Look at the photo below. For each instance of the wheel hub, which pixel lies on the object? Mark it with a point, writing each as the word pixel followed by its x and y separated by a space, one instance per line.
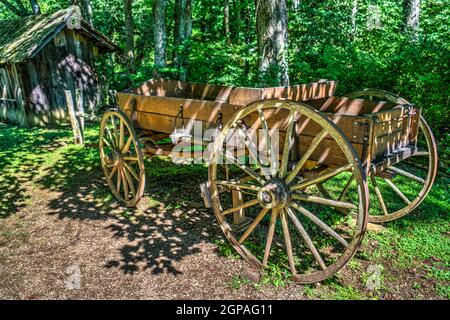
pixel 115 157
pixel 274 195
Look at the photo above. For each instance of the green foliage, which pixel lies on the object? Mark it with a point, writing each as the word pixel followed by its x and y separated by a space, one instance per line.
pixel 322 45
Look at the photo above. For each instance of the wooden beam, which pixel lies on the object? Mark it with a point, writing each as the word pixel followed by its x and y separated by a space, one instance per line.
pixel 77 134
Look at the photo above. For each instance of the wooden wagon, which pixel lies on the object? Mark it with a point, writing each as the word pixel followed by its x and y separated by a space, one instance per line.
pixel 294 187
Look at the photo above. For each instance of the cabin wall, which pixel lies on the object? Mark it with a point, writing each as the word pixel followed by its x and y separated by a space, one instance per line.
pixel 12 101
pixel 65 63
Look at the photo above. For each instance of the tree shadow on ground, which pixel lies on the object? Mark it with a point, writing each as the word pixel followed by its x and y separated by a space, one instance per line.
pixel 167 225
pixel 22 154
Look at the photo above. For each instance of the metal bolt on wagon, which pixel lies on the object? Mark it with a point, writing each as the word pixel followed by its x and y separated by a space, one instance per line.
pixel 295 186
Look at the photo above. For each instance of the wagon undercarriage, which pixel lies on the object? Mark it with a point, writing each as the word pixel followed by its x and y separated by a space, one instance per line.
pixel 291 170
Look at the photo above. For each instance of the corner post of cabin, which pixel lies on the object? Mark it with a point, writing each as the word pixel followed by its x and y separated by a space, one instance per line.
pixel 77 134
pixel 80 109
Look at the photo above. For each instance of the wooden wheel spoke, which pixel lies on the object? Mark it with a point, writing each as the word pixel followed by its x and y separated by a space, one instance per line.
pixel 346 187
pixel 119 181
pixel 116 133
pixel 272 225
pixel 131 158
pixel 249 143
pixel 106 142
pixel 125 185
pixel 127 145
pixel 305 236
pixel 271 154
pixel 241 206
pixel 287 241
pixel 113 171
pixel 287 146
pixel 397 191
pixel 111 137
pixel 130 181
pixel 237 186
pixel 121 134
pixel 131 170
pixel 253 225
pixel 324 201
pixel 246 169
pixel 379 195
pixel 320 223
pixel 407 174
pixel 306 156
pixel 422 153
pixel 321 177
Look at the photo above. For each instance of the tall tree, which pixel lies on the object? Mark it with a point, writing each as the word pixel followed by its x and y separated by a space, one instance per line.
pixel 238 10
pixel 159 31
pixel 354 13
pixel 412 21
pixel 271 27
pixel 182 34
pixel 226 19
pixel 129 40
pixel 86 9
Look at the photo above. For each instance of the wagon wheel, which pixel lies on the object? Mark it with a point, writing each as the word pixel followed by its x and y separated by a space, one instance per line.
pixel 282 199
pixel 121 157
pixel 408 181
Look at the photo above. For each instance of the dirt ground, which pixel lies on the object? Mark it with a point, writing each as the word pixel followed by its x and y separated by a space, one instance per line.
pixel 158 255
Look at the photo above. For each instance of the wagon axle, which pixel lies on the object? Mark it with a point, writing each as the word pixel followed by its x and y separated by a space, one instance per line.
pixel 274 195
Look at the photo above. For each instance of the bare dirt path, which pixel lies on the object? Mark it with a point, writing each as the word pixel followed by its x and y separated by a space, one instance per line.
pixel 158 255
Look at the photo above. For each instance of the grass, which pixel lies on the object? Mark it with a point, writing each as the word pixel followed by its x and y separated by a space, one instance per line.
pixel 45 159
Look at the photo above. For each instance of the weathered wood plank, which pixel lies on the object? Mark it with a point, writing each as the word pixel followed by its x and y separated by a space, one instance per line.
pixel 207 111
pixel 77 133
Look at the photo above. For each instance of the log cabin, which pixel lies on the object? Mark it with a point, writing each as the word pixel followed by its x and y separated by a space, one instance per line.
pixel 43 55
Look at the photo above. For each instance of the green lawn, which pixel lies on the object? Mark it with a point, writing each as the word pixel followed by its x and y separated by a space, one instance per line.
pixel 415 249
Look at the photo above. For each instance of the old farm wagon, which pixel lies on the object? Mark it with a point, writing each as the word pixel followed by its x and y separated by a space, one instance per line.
pixel 294 186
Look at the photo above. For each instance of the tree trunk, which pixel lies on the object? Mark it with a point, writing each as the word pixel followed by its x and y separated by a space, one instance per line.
pixel 86 10
pixel 129 41
pixel 226 19
pixel 238 10
pixel 35 6
pixel 354 13
pixel 182 34
pixel 177 17
pixel 159 30
pixel 271 29
pixel 412 22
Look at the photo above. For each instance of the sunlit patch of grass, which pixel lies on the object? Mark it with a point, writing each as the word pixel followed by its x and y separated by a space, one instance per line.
pixel 237 282
pixel 443 290
pixel 337 292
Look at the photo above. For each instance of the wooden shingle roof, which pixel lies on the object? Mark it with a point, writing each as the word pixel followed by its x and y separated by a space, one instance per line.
pixel 22 38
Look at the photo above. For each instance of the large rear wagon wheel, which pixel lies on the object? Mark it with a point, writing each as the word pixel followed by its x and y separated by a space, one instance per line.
pixel 288 222
pixel 121 157
pixel 409 181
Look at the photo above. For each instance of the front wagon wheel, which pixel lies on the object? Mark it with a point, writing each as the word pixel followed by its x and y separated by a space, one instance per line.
pixel 287 223
pixel 121 157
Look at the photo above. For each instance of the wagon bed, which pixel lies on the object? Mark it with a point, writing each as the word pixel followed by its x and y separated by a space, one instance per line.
pixel 381 132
